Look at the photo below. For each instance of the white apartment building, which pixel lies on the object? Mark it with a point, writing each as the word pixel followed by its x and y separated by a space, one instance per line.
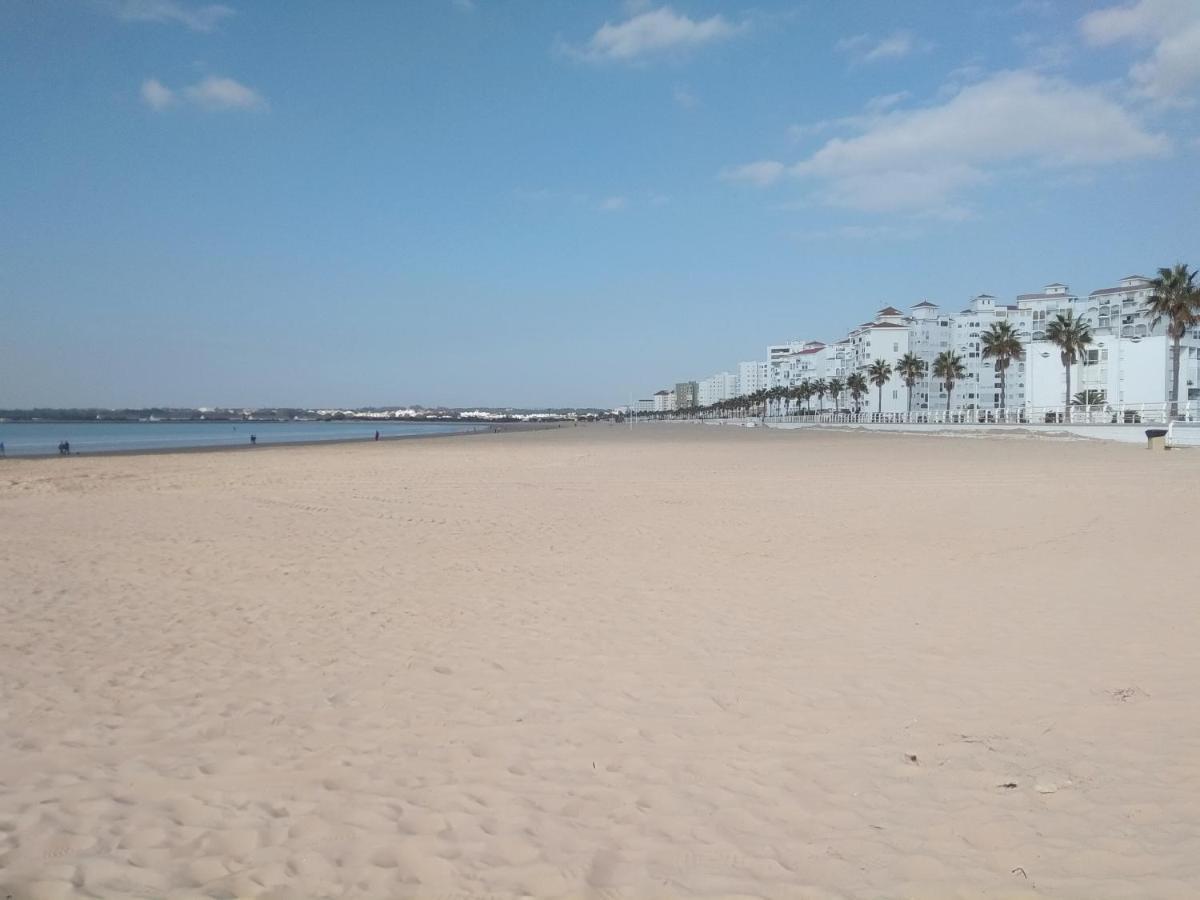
pixel 886 338
pixel 722 386
pixel 644 406
pixel 752 376
pixel 1129 359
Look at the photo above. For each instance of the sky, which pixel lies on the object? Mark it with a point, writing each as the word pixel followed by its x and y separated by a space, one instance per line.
pixel 538 203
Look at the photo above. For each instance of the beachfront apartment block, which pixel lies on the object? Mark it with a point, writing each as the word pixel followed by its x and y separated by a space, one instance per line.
pixel 687 393
pixel 752 376
pixel 1129 359
pixel 718 387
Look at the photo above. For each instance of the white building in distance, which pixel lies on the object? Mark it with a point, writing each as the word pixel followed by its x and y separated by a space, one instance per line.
pixel 1129 359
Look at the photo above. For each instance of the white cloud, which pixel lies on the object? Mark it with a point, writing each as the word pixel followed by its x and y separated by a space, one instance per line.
pixel 197 18
pixel 212 93
pixel 886 101
pixel 613 204
pixel 654 31
pixel 685 98
pixel 872 110
pixel 922 160
pixel 156 95
pixel 464 5
pixel 864 48
pixel 1170 27
pixel 861 233
pixel 761 173
pixel 217 93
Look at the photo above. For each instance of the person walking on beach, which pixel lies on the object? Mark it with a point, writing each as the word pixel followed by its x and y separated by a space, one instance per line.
pixel 2 453
pixel 376 435
pixel 254 438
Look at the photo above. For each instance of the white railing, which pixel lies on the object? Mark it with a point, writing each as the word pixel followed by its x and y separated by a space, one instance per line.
pixel 1097 414
pixel 1183 433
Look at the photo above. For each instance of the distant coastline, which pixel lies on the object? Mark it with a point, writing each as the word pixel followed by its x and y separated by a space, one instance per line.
pixel 475 429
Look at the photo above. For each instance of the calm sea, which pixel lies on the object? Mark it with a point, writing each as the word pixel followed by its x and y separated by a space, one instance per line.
pixel 36 438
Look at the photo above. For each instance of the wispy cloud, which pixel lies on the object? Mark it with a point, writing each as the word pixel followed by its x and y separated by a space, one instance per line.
pixel 651 33
pixel 872 110
pixel 861 233
pixel 213 93
pixel 1170 27
pixel 463 5
pixel 761 173
pixel 923 160
pixel 156 95
pixel 684 98
pixel 615 203
pixel 197 18
pixel 865 48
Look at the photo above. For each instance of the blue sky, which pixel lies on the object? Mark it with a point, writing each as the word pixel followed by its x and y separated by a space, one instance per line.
pixel 543 203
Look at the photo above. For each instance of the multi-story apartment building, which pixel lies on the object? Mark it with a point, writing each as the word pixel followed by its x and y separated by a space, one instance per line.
pixel 715 388
pixel 1130 356
pixel 664 401
pixel 752 376
pixel 687 394
pixel 1129 359
pixel 886 338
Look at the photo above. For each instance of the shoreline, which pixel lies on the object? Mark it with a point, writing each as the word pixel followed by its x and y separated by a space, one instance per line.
pixel 247 447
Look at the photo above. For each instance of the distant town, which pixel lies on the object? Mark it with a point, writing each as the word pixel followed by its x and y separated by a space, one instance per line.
pixel 295 414
pixel 889 364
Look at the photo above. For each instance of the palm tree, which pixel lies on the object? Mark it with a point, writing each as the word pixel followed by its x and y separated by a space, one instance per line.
pixel 1071 336
pixel 820 387
pixel 1090 397
pixel 836 386
pixel 949 368
pixel 911 368
pixel 1000 342
pixel 1176 299
pixel 804 393
pixel 857 385
pixel 878 374
pixel 793 394
pixel 760 400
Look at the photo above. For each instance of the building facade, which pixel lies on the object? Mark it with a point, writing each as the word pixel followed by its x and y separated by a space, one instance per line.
pixel 1128 362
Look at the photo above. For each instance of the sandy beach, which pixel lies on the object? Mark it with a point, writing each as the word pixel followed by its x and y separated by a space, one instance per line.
pixel 594 662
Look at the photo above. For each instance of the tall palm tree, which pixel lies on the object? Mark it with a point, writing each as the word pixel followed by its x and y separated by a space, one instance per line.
pixel 1000 342
pixel 804 392
pixel 948 367
pixel 911 368
pixel 793 394
pixel 1176 299
pixel 878 374
pixel 857 385
pixel 836 386
pixel 820 388
pixel 1071 336
pixel 760 400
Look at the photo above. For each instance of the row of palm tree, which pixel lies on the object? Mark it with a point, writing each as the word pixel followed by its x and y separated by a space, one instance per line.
pixel 1175 298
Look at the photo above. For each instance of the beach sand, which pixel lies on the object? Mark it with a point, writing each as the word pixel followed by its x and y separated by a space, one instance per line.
pixel 590 662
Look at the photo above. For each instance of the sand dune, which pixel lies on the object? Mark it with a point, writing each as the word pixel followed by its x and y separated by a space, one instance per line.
pixel 588 662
